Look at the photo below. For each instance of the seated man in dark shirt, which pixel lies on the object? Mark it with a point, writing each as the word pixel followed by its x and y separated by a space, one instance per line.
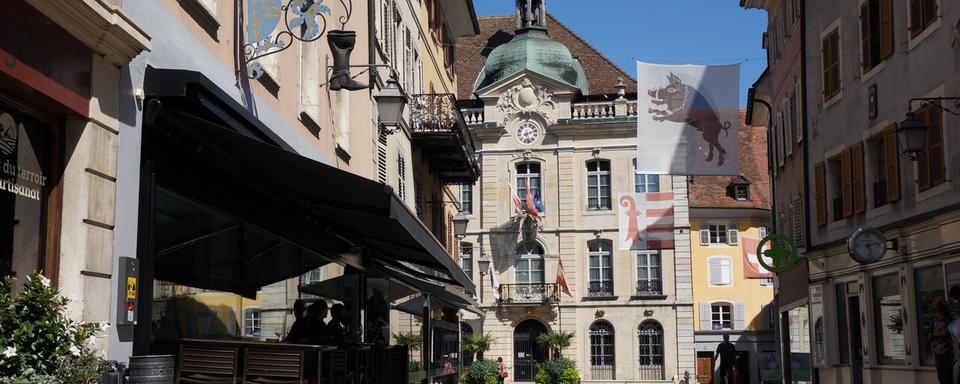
pixel 308 329
pixel 337 331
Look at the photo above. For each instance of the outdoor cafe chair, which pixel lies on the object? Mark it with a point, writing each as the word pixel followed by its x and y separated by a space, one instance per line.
pixel 206 364
pixel 273 365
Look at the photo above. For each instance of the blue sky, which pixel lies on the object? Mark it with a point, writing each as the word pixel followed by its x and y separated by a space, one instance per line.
pixel 662 31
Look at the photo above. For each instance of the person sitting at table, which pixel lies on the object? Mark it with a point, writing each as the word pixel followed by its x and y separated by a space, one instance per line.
pixel 316 328
pixel 298 329
pixel 337 331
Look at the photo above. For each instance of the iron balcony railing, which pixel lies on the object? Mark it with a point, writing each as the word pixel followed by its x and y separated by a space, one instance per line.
pixel 649 288
pixel 437 114
pixel 535 293
pixel 600 289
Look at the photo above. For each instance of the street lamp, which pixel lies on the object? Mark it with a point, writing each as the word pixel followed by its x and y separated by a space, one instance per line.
pixel 460 222
pixel 484 264
pixel 912 134
pixel 390 102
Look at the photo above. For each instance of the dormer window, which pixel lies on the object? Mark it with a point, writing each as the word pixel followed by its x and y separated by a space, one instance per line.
pixel 739 189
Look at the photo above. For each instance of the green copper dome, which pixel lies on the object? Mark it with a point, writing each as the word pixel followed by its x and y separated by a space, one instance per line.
pixel 533 51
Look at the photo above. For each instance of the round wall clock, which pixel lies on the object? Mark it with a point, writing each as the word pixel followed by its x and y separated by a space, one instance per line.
pixel 867 245
pixel 528 132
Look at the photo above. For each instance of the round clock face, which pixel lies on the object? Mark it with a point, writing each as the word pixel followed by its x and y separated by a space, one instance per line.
pixel 867 245
pixel 528 133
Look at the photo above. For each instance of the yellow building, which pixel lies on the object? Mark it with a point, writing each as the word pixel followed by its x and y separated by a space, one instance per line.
pixel 732 292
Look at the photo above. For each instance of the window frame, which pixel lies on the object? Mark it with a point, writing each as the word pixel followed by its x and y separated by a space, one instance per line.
pixel 603 346
pixel 714 306
pixel 253 322
pixel 648 180
pixel 649 268
pixel 927 24
pixel 465 250
pixel 833 34
pixel 526 176
pixel 596 176
pixel 650 334
pixel 602 251
pixel 466 198
pixel 528 259
pixel 879 321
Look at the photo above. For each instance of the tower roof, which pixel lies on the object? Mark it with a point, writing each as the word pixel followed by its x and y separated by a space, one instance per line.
pixel 601 75
pixel 531 50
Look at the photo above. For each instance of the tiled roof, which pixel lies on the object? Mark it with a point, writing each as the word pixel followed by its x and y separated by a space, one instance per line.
pixel 471 54
pixel 711 191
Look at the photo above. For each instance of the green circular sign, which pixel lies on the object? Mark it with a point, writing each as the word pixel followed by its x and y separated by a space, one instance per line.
pixel 783 258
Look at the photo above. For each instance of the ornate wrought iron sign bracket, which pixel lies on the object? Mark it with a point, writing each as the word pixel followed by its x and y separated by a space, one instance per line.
pixel 272 27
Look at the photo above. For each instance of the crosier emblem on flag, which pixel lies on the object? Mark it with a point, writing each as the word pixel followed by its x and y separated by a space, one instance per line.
pixel 646 221
pixel 689 122
pixel 562 279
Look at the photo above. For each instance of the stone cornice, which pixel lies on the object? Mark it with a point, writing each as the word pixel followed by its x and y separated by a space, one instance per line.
pixel 101 26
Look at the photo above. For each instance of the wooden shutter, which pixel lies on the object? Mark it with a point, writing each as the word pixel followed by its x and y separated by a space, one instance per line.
pixel 865 57
pixel 859 190
pixel 846 169
pixel 820 184
pixel 726 271
pixel 716 272
pixel 892 162
pixel 916 17
pixel 704 234
pixel 732 232
pixel 739 317
pixel 706 317
pixel 937 160
pixel 886 29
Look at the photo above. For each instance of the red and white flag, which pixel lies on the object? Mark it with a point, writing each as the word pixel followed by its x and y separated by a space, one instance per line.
pixel 517 204
pixel 751 266
pixel 646 221
pixel 562 279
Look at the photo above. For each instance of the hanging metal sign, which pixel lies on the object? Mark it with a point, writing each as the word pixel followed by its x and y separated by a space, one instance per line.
pixel 272 27
pixel 782 252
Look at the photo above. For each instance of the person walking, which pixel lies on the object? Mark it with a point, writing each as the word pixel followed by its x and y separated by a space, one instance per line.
pixel 501 371
pixel 727 353
pixel 942 341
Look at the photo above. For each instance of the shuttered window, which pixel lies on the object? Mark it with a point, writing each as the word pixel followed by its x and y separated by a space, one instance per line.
pixel 859 188
pixel 704 234
pixel 732 235
pixel 720 271
pixel 931 166
pixel 798 107
pixel 830 50
pixel 787 119
pixel 891 163
pixel 923 13
pixel 876 32
pixel 382 157
pixel 820 184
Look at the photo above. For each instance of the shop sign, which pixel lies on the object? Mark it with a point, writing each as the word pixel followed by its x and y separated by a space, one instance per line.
pixel 21 181
pixel 39 53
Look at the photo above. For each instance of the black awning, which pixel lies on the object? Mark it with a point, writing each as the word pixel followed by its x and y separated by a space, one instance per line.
pixel 337 206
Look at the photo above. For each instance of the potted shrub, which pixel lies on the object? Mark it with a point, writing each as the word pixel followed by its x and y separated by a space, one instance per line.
pixel 556 342
pixel 557 371
pixel 480 372
pixel 39 343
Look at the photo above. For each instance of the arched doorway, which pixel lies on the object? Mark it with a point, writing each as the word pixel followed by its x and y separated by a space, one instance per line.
pixel 526 352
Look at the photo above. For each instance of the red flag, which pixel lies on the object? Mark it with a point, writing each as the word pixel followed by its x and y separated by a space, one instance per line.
pixel 517 204
pixel 562 279
pixel 531 205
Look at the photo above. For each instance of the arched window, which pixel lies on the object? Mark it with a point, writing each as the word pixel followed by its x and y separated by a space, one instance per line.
pixel 598 185
pixel 529 264
pixel 602 364
pixel 650 353
pixel 466 331
pixel 600 256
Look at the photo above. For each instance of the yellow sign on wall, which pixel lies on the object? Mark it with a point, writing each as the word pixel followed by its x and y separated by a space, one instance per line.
pixel 131 287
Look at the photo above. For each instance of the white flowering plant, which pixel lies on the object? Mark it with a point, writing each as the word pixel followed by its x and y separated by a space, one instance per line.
pixel 39 342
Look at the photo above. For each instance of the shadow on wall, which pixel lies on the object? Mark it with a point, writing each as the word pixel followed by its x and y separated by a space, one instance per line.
pixel 184 317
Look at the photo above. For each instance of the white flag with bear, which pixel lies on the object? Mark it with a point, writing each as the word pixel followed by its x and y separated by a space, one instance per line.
pixel 688 119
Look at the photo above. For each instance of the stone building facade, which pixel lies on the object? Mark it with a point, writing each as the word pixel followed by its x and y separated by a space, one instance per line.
pixel 564 126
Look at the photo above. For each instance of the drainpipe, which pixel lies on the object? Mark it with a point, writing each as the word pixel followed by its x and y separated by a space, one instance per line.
pixel 372 40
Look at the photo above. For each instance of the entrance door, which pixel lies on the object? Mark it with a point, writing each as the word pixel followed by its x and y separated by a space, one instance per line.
pixel 527 353
pixel 741 368
pixel 705 368
pixel 856 342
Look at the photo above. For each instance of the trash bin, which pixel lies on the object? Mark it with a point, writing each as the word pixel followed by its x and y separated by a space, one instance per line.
pixel 155 369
